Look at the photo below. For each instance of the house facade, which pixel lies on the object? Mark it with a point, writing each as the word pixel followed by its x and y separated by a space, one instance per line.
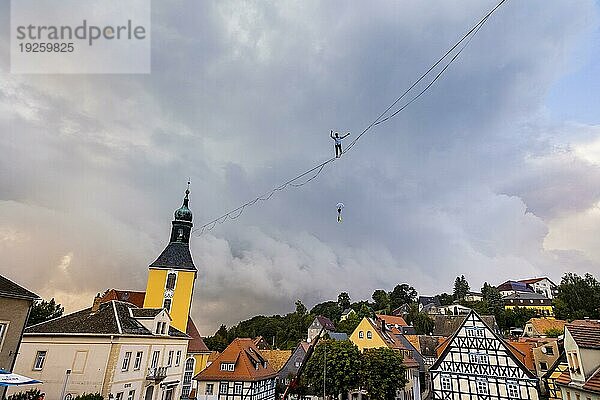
pixel 290 368
pixel 582 348
pixel 476 363
pixel 529 300
pixel 15 305
pixel 116 349
pixel 542 286
pixel 539 327
pixel 239 372
pixel 320 325
pixel 370 334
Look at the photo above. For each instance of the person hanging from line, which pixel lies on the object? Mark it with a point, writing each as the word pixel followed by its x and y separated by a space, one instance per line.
pixel 338 142
pixel 339 206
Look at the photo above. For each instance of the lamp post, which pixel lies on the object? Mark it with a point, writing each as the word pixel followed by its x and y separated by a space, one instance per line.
pixel 64 389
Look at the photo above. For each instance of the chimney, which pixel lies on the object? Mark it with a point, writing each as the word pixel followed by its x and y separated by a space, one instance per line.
pixel 97 301
pixel 383 327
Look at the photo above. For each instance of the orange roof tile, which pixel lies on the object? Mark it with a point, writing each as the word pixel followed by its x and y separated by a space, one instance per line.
pixel 248 364
pixel 414 340
pixel 392 319
pixel 541 325
pixel 277 358
pixel 129 296
pixel 523 351
pixel 196 345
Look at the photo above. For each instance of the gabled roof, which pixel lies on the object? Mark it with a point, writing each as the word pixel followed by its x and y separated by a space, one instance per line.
pixel 590 385
pixel 176 256
pixel 586 333
pixel 325 322
pixel 392 319
pixel 196 344
pixel 446 325
pixel 10 289
pixel 246 357
pixel 473 316
pixel 535 280
pixel 130 296
pixel 514 285
pixel 392 340
pixel 424 300
pixel 276 358
pixel 111 318
pixel 541 325
pixel 146 313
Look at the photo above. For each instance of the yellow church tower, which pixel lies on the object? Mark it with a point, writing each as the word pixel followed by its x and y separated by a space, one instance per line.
pixel 171 277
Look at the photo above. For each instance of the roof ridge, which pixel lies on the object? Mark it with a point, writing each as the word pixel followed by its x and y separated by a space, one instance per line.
pixel 114 307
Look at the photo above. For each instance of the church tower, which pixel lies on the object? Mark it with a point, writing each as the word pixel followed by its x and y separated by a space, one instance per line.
pixel 171 277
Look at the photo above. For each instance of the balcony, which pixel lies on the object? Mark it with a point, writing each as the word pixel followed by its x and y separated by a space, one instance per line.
pixel 156 374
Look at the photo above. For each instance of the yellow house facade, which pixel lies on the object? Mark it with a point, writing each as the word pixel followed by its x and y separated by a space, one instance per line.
pixel 529 300
pixel 365 336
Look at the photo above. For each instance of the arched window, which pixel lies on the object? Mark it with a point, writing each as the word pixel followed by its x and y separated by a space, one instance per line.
pixel 369 335
pixel 167 305
pixel 189 364
pixel 171 277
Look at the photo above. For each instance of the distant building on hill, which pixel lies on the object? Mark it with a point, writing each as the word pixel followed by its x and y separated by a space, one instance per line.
pixel 542 286
pixel 347 313
pixel 290 368
pixel 512 287
pixel 529 300
pixel 320 325
pixel 15 305
pixel 538 327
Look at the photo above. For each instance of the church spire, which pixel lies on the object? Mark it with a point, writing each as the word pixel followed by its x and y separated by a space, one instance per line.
pixel 182 224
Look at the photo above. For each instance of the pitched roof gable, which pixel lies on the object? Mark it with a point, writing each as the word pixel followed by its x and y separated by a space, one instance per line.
pixel 10 289
pixel 196 344
pixel 474 320
pixel 177 256
pixel 541 325
pixel 392 319
pixel 245 355
pixel 326 322
pixel 586 333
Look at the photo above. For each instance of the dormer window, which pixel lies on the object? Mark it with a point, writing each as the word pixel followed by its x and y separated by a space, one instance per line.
pixel 227 366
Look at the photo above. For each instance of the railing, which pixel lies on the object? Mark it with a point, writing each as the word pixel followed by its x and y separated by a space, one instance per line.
pixel 157 373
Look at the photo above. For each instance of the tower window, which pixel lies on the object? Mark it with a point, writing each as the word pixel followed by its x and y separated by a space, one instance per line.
pixel 180 234
pixel 171 277
pixel 167 305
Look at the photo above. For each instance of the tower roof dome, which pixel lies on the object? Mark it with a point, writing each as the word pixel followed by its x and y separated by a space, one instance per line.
pixel 183 213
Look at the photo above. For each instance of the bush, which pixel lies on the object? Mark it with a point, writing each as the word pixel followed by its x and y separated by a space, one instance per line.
pixel 31 394
pixel 89 396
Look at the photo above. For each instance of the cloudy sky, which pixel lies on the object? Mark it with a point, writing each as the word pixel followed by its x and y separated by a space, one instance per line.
pixel 494 173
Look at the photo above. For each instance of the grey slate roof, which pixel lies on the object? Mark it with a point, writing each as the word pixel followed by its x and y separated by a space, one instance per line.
pixel 338 336
pixel 177 256
pixel 111 318
pixel 145 312
pixel 446 325
pixel 10 289
pixel 424 300
pixel 525 296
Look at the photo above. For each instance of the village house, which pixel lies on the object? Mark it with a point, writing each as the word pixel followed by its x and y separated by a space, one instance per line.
pixel 539 327
pixel 290 369
pixel 475 362
pixel 542 286
pixel 513 287
pixel 239 372
pixel 15 305
pixel 529 300
pixel 581 381
pixel 321 325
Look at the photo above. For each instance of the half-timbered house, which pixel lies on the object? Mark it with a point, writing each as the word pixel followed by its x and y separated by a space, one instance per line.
pixel 476 363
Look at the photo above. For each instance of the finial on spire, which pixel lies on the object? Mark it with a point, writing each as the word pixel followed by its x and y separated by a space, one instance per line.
pixel 187 191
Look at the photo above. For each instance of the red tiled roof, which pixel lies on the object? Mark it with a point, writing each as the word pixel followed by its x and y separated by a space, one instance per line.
pixel 129 296
pixel 586 333
pixel 196 344
pixel 593 384
pixel 246 356
pixel 523 351
pixel 564 378
pixel 392 320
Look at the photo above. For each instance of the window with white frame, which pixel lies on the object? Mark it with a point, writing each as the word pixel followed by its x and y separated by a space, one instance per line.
pixel 482 387
pixel 223 387
pixel 470 332
pixel 155 357
pixel 131 395
pixel 227 366
pixel 237 389
pixel 479 332
pixel 126 361
pixel 210 387
pixel 446 382
pixel 361 334
pixel 138 360
pixel 189 364
pixel 40 357
pixel 369 335
pixel 178 358
pixel 119 396
pixel 170 358
pixel 512 388
pixel 3 329
pixel 171 280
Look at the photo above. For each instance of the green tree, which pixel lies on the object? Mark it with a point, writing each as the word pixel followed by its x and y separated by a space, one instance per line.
pixel 349 324
pixel 382 373
pixel 515 317
pixel 492 298
pixel 461 288
pixel 300 308
pixel 343 301
pixel 339 362
pixel 89 396
pixel 445 299
pixel 553 332
pixel 381 299
pixel 578 297
pixel 365 311
pixel 420 320
pixel 402 294
pixel 329 309
pixel 219 341
pixel 31 394
pixel 43 310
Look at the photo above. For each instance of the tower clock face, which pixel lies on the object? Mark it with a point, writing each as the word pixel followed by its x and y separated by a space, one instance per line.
pixel 168 293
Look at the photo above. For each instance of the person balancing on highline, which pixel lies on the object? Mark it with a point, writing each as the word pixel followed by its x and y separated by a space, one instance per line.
pixel 338 142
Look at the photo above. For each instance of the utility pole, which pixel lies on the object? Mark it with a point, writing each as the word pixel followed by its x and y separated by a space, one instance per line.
pixel 62 395
pixel 324 368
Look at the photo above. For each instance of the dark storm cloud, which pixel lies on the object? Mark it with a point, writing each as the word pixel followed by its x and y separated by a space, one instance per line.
pixel 469 180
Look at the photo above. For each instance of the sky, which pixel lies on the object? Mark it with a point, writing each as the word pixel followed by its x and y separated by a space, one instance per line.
pixel 494 173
